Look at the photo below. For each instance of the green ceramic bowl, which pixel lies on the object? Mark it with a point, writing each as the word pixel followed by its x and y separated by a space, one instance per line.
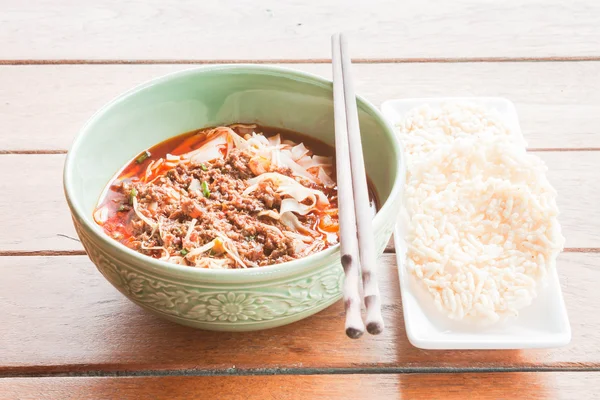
pixel 227 300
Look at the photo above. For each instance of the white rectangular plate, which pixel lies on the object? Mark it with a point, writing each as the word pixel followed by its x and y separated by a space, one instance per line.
pixel 544 324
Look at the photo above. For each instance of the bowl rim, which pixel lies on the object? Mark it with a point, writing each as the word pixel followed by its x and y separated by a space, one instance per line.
pixel 277 270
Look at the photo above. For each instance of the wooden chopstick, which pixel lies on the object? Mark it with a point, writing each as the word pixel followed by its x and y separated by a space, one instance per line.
pixel 346 209
pixel 364 218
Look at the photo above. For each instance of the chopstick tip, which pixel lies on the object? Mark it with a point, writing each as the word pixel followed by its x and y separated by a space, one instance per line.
pixel 353 333
pixel 374 328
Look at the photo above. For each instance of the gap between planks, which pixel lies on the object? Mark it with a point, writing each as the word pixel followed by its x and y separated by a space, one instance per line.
pixel 287 371
pixel 58 253
pixel 59 151
pixel 304 61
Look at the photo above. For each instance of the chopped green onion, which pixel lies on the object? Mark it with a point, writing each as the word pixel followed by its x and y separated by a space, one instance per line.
pixel 203 167
pixel 251 237
pixel 132 195
pixel 184 252
pixel 142 157
pixel 205 190
pixel 121 207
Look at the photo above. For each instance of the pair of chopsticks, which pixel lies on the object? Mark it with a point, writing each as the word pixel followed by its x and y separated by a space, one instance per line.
pixel 356 231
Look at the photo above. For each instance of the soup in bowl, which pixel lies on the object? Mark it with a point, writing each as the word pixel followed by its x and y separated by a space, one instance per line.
pixel 208 196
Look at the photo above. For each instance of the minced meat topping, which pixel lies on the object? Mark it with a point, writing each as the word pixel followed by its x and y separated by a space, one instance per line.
pixel 259 202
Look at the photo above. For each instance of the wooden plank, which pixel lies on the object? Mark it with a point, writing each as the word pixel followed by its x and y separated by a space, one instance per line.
pixel 263 29
pixel 35 190
pixel 32 187
pixel 557 102
pixel 529 385
pixel 60 315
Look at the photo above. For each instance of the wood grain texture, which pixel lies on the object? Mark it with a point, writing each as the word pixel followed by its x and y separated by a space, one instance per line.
pixel 264 29
pixel 32 184
pixel 43 107
pixel 60 315
pixel 529 385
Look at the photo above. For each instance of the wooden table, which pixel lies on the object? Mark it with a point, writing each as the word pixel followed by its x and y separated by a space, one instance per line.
pixel 65 333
